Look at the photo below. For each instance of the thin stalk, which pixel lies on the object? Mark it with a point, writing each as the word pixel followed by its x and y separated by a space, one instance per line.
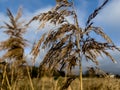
pixel 56 85
pixel 31 83
pixel 80 62
pixel 5 77
pixel 12 73
pixel 14 86
pixel 78 37
pixel 8 82
pixel 80 70
pixel 4 74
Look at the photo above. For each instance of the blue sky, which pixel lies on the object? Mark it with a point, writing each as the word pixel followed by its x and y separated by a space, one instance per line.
pixel 108 18
pixel 30 5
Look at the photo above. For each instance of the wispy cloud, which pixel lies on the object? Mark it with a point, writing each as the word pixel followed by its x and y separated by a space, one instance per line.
pixel 82 12
pixel 27 15
pixel 110 15
pixel 31 34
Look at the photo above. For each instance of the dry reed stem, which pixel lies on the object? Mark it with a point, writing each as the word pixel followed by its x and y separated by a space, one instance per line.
pixel 66 45
pixel 4 74
pixel 9 86
pixel 31 83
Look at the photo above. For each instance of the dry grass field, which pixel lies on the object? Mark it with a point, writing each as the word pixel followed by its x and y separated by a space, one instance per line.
pixel 46 83
pixel 65 44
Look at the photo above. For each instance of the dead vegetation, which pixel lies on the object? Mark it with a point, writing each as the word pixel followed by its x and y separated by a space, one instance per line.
pixel 62 42
pixel 67 44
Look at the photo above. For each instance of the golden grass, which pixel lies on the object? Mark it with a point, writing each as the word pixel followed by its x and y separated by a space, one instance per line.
pixel 67 44
pixel 49 83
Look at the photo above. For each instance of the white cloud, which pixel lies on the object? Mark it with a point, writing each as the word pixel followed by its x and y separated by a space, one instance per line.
pixel 2 19
pixel 104 63
pixel 110 15
pixel 27 15
pixel 30 35
pixel 82 12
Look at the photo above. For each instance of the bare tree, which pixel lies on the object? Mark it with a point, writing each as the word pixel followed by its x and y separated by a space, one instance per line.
pixel 69 43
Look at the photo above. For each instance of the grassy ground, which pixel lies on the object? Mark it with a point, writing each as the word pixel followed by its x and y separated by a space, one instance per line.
pixel 46 83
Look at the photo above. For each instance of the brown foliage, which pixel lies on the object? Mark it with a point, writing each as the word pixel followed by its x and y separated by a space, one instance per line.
pixel 15 43
pixel 62 42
